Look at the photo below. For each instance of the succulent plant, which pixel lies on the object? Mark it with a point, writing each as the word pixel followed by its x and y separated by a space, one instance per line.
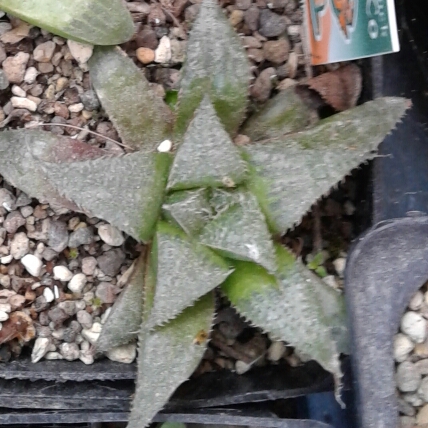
pixel 210 211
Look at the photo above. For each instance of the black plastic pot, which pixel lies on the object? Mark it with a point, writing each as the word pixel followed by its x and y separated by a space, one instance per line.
pixel 389 263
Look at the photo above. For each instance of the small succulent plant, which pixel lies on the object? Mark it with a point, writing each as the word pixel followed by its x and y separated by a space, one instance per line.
pixel 210 211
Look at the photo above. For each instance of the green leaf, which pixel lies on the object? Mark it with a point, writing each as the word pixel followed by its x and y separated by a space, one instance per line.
pixel 123 323
pixel 317 260
pixel 185 271
pixel 167 357
pixel 190 209
pixel 98 22
pixel 171 98
pixel 207 156
pixel 127 191
pixel 22 157
pixel 284 113
pixel 294 306
pixel 216 64
pixel 141 117
pixel 240 231
pixel 289 174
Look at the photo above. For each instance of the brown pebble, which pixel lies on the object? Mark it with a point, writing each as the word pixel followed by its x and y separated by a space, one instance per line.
pixel 145 55
pixel 236 17
pixel 263 85
pixel 276 51
pixel 255 54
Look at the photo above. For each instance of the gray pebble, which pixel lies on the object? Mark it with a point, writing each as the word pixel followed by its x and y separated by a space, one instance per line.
pixel 423 389
pixel 7 199
pixel 422 367
pixel 58 236
pixel 405 408
pixel 69 335
pixel 412 398
pixel 81 236
pixel 4 82
pixel 22 200
pixel 68 306
pixel 88 265
pixel 111 261
pixel 40 304
pixel 106 292
pixel 84 319
pixel 49 254
pixel 408 377
pixel 271 24
pixel 13 221
pixel 90 100
pixel 407 422
pixel 57 315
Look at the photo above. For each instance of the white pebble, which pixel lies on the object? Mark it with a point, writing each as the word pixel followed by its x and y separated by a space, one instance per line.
pixel 163 51
pixel 6 307
pixel 62 273
pixel 276 351
pixel 165 146
pixel 331 281
pixel 111 235
pixel 19 246
pixel 79 51
pixel 30 75
pixel 414 325
pixel 18 91
pixel 32 264
pixel 3 316
pixel 49 296
pixel 416 301
pixel 339 265
pixel 70 351
pixel 53 356
pixel 105 315
pixel 40 348
pixel 25 103
pixel 77 283
pixel 402 347
pixel 76 108
pixel 92 334
pixel 6 259
pixel 56 292
pixel 241 367
pixel 123 354
pixel 86 357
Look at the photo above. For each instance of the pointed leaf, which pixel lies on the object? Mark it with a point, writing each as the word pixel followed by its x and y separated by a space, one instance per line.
pixel 286 112
pixel 140 116
pixel 185 271
pixel 167 357
pixel 240 232
pixel 214 65
pixel 123 323
pixel 290 307
pixel 98 22
pixel 289 174
pixel 127 191
pixel 207 156
pixel 22 154
pixel 190 209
